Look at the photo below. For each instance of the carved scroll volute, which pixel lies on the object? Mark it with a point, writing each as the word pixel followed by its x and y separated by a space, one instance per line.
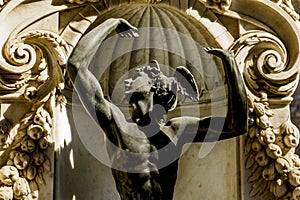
pixel 270 144
pixel 37 59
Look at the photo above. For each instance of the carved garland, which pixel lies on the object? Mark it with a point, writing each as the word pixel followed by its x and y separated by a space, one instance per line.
pixel 271 154
pixel 37 57
pixel 22 175
pixel 270 150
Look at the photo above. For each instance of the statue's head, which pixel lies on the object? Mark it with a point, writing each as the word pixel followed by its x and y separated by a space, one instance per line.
pixel 148 86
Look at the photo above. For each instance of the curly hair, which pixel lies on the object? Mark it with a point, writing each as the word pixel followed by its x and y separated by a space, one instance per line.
pixel 163 87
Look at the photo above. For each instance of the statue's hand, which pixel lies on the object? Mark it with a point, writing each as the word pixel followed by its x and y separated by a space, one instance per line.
pixel 219 52
pixel 125 29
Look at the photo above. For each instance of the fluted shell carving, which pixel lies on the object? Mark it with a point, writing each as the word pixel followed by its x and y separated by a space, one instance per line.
pixel 95 1
pixel 183 46
pixel 82 1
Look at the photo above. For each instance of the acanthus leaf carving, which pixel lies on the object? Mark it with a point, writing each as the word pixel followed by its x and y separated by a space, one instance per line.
pixel 271 141
pixel 38 58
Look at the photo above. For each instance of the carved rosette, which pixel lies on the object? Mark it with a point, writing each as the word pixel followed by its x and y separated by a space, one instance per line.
pixel 271 141
pixel 37 58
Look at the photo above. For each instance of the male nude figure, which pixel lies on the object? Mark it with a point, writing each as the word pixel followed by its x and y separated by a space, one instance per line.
pixel 140 151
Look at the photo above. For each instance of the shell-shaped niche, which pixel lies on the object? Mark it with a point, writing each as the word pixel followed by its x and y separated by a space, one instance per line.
pixel 166 34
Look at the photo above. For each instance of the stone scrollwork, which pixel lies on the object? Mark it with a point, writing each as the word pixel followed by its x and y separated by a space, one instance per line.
pixel 37 59
pixel 42 53
pixel 271 140
pixel 266 64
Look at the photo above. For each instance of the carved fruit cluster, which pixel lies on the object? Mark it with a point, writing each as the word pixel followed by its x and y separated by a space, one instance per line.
pixel 271 155
pixel 23 172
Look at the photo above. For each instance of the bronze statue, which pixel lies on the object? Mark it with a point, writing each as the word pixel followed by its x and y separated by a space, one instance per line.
pixel 151 95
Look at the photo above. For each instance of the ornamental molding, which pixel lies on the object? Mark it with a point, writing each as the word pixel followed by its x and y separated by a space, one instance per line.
pixel 37 58
pixel 266 64
pixel 27 153
pixel 270 154
pixel 33 66
pixel 288 7
pixel 219 6
pixel 272 138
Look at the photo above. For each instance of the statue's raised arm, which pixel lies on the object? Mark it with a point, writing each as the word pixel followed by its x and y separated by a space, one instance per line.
pixel 237 114
pixel 85 83
pixel 212 128
pixel 236 121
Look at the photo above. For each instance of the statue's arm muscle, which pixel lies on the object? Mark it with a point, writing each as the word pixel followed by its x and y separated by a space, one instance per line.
pixel 85 83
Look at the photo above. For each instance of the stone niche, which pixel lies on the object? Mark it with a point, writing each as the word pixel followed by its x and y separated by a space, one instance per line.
pixel 50 149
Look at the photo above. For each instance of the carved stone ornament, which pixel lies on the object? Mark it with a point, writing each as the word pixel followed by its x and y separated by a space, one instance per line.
pixel 36 58
pixel 217 5
pixel 95 1
pixel 82 1
pixel 288 7
pixel 270 144
pixel 266 64
pixel 32 65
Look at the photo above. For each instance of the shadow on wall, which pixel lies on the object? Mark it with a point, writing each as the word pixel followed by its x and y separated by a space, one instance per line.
pixel 79 174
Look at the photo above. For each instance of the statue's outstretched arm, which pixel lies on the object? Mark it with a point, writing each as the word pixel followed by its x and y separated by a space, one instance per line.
pixel 85 83
pixel 236 121
pixel 237 115
pixel 213 128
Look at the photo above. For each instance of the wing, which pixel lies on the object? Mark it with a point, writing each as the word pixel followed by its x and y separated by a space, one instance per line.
pixel 187 83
